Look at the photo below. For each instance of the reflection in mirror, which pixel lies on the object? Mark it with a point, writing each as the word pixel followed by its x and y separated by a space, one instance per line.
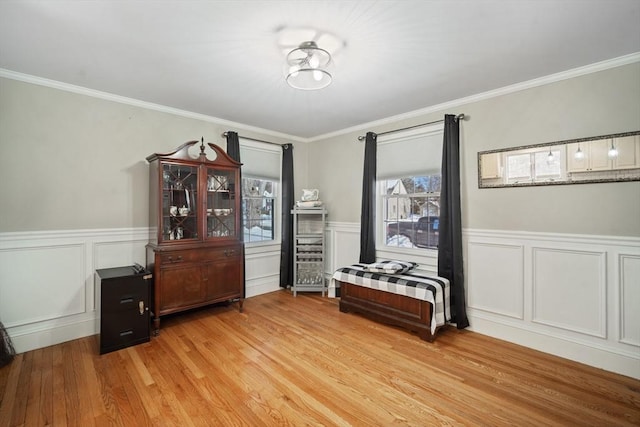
pixel 598 159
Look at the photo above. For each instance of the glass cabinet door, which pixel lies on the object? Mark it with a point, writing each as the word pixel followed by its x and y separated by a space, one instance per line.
pixel 221 215
pixel 179 202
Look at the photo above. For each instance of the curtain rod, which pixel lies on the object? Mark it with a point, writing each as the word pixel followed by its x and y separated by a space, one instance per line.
pixel 224 134
pixel 458 117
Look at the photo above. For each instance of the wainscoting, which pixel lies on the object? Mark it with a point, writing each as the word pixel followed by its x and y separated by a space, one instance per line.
pixel 47 279
pixel 574 296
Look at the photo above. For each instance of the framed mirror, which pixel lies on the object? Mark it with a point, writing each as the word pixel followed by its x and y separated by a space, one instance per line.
pixel 607 158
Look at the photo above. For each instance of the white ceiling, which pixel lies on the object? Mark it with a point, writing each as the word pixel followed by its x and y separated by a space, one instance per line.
pixel 225 59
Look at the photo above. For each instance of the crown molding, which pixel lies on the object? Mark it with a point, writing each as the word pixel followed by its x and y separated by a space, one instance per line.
pixel 552 78
pixel 541 81
pixel 27 78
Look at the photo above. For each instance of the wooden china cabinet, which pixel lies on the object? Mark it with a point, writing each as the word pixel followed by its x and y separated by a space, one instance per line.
pixel 194 250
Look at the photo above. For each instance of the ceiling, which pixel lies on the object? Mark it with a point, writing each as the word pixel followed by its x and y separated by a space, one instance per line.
pixel 225 59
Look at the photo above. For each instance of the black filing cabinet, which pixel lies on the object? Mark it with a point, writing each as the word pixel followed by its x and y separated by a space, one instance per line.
pixel 123 304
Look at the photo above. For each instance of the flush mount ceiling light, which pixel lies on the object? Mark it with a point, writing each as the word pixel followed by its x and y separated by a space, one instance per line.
pixel 307 67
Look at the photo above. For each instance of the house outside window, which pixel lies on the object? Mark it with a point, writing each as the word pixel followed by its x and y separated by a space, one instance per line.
pixel 411 208
pixel 258 196
pixel 409 180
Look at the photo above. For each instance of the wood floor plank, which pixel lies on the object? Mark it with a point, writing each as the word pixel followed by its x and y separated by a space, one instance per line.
pixel 59 397
pixel 12 374
pixel 288 361
pixel 22 390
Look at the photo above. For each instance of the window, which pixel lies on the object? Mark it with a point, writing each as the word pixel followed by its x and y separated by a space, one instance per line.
pixel 534 165
pixel 258 197
pixel 411 211
pixel 261 166
pixel 409 181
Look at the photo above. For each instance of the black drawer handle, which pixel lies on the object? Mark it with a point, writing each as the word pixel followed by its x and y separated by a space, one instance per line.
pixel 125 333
pixel 126 300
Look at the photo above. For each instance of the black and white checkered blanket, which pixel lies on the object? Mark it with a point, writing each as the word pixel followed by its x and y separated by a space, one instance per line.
pixel 422 286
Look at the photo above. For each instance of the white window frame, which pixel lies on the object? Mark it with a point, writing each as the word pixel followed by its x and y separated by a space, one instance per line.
pixel 277 196
pixel 382 250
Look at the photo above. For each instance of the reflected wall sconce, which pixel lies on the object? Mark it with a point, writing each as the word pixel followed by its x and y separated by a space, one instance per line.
pixel 579 154
pixel 550 157
pixel 613 151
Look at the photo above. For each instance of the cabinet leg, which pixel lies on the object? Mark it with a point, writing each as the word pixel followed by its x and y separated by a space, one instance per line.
pixel 240 304
pixel 156 326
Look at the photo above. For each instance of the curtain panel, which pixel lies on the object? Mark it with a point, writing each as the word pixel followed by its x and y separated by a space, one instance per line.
pixel 368 211
pixel 286 252
pixel 450 263
pixel 233 150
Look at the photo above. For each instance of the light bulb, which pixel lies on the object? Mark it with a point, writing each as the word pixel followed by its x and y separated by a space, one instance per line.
pixel 550 157
pixel 579 154
pixel 613 152
pixel 313 61
pixel 317 75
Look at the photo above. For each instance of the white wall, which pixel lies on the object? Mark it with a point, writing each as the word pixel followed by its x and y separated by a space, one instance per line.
pixel 599 103
pixel 556 268
pixel 74 185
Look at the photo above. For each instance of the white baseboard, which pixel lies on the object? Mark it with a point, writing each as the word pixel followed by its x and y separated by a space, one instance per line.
pixel 599 357
pixel 42 336
pixel 263 286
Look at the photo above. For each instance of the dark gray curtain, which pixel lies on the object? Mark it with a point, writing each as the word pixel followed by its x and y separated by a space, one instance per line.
pixel 286 253
pixel 233 150
pixel 450 228
pixel 368 213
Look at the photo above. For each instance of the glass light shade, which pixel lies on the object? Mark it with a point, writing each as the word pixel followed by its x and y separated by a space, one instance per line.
pixel 613 152
pixel 550 157
pixel 307 67
pixel 579 154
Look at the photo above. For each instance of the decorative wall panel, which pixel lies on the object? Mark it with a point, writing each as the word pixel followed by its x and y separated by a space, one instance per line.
pixel 497 290
pixel 629 299
pixel 40 283
pixel 569 290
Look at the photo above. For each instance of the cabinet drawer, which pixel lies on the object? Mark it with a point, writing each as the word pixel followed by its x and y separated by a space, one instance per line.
pixel 123 329
pixel 124 295
pixel 202 255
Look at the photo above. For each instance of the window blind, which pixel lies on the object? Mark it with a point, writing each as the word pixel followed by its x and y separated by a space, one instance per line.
pixel 412 153
pixel 260 160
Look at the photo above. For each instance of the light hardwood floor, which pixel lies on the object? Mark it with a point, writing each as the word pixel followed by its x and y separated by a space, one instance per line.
pixel 299 361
